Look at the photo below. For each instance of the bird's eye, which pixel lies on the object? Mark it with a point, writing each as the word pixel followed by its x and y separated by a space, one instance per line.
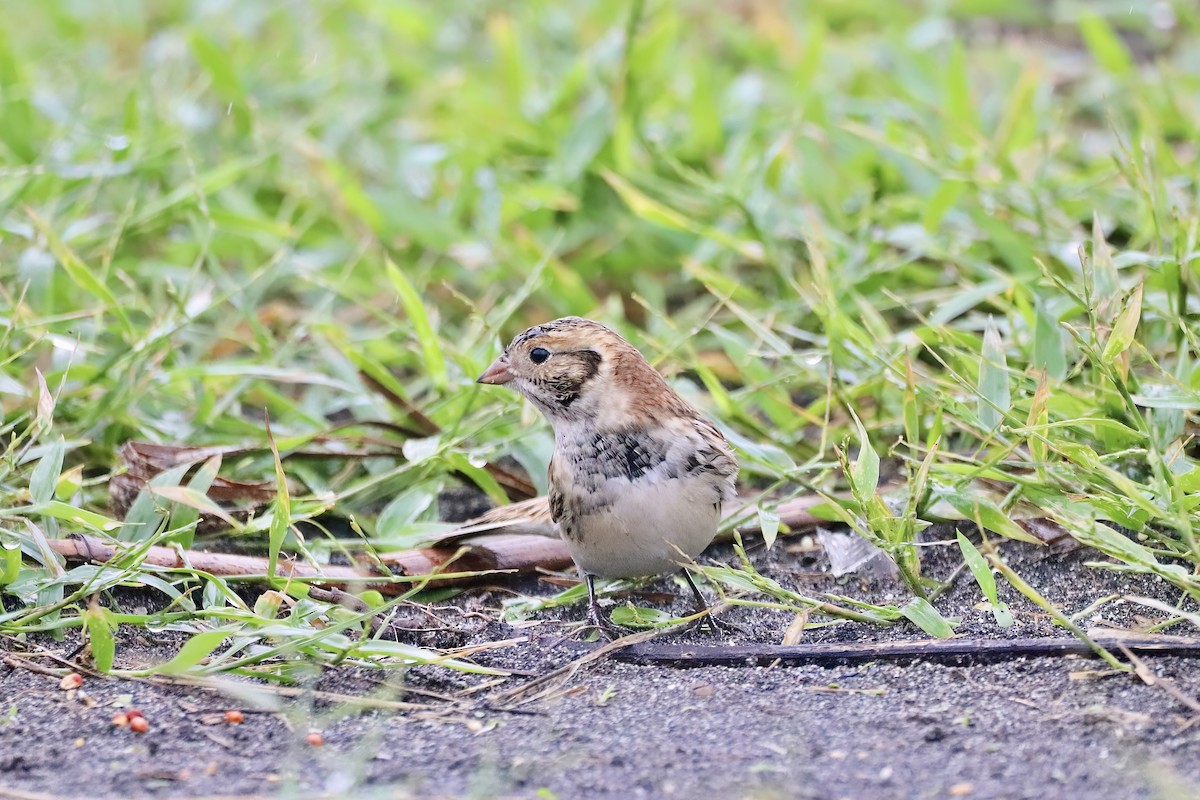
pixel 538 355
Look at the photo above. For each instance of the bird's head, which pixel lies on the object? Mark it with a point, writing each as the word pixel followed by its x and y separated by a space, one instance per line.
pixel 575 369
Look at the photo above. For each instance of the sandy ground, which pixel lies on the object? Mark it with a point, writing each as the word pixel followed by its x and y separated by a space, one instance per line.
pixel 1027 728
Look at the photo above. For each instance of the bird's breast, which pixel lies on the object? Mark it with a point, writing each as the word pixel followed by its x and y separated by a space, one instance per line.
pixel 630 504
pixel 641 528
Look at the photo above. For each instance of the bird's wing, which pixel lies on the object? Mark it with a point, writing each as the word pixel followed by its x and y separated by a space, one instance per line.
pixel 528 517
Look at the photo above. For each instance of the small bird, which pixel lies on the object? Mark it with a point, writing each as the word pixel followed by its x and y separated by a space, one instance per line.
pixel 638 476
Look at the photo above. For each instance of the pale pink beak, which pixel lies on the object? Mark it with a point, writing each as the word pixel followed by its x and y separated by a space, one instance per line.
pixel 498 373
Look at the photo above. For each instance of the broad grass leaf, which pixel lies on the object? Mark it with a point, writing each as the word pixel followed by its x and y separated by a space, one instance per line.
pixel 69 483
pixel 145 517
pixel 417 451
pixel 196 649
pixel 645 207
pixel 216 61
pixel 705 134
pixel 197 500
pixel 1105 45
pixel 1049 344
pixel 1105 280
pixel 45 474
pixel 186 514
pixel 987 582
pixel 409 654
pixel 1189 482
pixel 986 513
pixel 1018 123
pixel 584 140
pixel 21 129
pixel 912 410
pixel 80 516
pixel 1167 396
pixel 865 473
pixel 510 60
pixel 478 475
pixel 768 523
pixel 967 299
pixel 940 202
pixel 808 65
pixel 1038 417
pixel 45 403
pixel 1125 327
pixel 1128 553
pixel 717 391
pixel 281 512
pixel 414 308
pixel 81 274
pixel 372 598
pixel 994 397
pixel 228 172
pixel 651 210
pixel 267 605
pixel 10 567
pixel 768 455
pixel 41 551
pixel 960 105
pixel 921 613
pixel 637 617
pixel 100 625
pixel 404 509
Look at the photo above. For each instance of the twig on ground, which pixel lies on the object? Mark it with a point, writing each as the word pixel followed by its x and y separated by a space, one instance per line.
pixel 218 685
pixel 37 651
pixel 17 662
pixel 539 687
pixel 953 650
pixel 1147 676
pixel 1018 583
pixel 472 558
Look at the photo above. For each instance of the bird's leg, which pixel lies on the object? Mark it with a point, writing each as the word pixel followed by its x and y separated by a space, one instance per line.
pixel 593 607
pixel 701 603
pixel 596 619
pixel 714 624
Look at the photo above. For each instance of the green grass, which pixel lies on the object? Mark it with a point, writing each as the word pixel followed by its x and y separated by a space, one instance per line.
pixel 949 243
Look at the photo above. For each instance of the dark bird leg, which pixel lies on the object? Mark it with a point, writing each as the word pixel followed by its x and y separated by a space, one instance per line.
pixel 607 628
pixel 714 624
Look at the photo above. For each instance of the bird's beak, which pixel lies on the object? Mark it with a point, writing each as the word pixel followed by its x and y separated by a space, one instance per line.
pixel 498 373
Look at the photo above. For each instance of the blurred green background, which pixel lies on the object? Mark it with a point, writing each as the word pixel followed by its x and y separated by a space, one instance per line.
pixel 917 211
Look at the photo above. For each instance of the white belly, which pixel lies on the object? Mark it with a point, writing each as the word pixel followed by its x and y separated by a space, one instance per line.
pixel 648 530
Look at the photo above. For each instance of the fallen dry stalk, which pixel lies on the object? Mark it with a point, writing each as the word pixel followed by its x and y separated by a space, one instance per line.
pixel 941 650
pixel 1147 676
pixel 542 685
pixel 532 517
pixel 518 538
pixel 484 554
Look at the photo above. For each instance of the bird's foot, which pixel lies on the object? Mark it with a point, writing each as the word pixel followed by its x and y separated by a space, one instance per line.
pixel 715 626
pixel 603 625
